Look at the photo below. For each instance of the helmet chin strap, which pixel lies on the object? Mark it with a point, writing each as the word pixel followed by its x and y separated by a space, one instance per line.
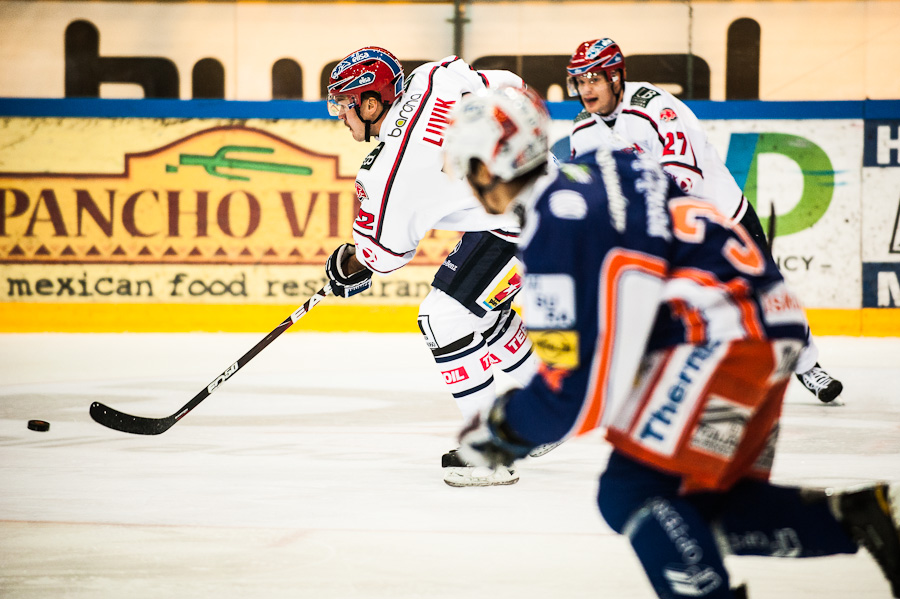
pixel 618 95
pixel 620 77
pixel 369 124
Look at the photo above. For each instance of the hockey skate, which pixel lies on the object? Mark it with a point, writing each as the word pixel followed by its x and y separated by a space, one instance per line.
pixel 821 384
pixel 870 515
pixel 458 473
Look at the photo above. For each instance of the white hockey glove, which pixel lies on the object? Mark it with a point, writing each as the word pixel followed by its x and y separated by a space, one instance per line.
pixel 487 441
pixel 343 285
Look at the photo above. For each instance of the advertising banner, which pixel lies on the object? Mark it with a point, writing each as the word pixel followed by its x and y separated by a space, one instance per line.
pixel 881 243
pixel 168 216
pixel 179 213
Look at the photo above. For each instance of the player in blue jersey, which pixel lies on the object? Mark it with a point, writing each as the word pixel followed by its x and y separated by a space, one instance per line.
pixel 658 319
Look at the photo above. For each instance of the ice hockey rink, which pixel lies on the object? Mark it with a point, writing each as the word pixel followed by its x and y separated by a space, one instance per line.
pixel 315 473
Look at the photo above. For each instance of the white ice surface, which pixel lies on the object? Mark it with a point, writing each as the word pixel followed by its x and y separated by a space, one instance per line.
pixel 315 473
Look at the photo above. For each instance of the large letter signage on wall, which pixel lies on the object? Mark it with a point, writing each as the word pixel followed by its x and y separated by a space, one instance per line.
pixel 214 214
pixel 814 164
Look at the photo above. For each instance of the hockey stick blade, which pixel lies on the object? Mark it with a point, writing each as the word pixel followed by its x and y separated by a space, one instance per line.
pixel 136 425
pixel 139 425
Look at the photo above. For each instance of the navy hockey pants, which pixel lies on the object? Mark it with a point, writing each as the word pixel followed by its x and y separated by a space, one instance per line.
pixel 677 538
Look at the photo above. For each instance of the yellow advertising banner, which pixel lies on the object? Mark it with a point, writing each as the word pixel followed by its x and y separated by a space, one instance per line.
pixel 192 212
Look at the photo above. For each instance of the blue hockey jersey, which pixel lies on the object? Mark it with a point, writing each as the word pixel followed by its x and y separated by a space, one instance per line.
pixel 620 264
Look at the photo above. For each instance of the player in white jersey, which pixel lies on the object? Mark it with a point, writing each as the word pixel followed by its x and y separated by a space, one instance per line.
pixel 620 114
pixel 467 319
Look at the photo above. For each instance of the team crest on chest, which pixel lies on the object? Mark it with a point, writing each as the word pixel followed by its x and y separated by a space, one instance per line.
pixel 361 192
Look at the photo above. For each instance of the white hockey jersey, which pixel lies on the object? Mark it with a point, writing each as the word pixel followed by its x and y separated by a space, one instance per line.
pixel 653 121
pixel 402 189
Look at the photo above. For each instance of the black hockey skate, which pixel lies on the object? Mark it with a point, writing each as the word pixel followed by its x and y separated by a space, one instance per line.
pixel 869 515
pixel 821 384
pixel 459 473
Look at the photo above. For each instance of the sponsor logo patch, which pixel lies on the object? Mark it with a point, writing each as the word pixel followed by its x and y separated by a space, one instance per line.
pixel 515 344
pixel 642 97
pixel 406 110
pixel 683 382
pixel 667 115
pixel 425 327
pixel 369 160
pixel 780 306
pixel 557 349
pixel 457 375
pixel 488 359
pixel 721 428
pixel 549 301
pixel 584 115
pixel 595 50
pixel 503 287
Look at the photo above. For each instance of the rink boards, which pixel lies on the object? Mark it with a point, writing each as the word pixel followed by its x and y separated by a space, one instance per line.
pixel 124 215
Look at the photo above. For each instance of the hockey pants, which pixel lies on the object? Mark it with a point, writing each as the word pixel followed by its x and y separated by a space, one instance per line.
pixel 680 539
pixel 467 348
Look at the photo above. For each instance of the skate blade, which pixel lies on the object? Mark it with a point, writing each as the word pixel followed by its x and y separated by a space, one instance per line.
pixel 480 476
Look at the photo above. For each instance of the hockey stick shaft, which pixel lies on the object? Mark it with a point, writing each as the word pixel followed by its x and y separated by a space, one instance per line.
pixel 770 234
pixel 138 425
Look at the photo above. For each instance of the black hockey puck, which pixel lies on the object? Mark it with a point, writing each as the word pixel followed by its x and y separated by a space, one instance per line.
pixel 39 425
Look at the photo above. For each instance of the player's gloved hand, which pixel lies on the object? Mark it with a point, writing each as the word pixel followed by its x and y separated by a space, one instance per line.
pixel 342 284
pixel 487 440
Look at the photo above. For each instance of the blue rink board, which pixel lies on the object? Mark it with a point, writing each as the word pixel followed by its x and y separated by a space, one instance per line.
pixel 298 109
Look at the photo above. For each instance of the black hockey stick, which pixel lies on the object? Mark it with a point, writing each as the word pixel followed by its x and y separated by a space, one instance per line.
pixel 770 233
pixel 138 425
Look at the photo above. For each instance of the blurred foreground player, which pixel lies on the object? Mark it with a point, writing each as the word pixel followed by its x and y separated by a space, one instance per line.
pixel 467 318
pixel 621 114
pixel 660 321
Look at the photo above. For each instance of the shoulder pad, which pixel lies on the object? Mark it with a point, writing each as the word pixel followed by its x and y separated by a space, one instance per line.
pixel 643 96
pixel 582 116
pixel 369 160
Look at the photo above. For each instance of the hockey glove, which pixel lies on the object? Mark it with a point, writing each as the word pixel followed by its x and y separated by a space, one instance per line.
pixel 488 441
pixel 343 285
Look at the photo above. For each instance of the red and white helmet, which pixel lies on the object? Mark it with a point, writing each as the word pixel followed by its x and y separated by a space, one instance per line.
pixel 369 69
pixel 506 128
pixel 595 56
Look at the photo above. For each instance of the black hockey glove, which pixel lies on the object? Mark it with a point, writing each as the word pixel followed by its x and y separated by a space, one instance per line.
pixel 488 441
pixel 343 285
